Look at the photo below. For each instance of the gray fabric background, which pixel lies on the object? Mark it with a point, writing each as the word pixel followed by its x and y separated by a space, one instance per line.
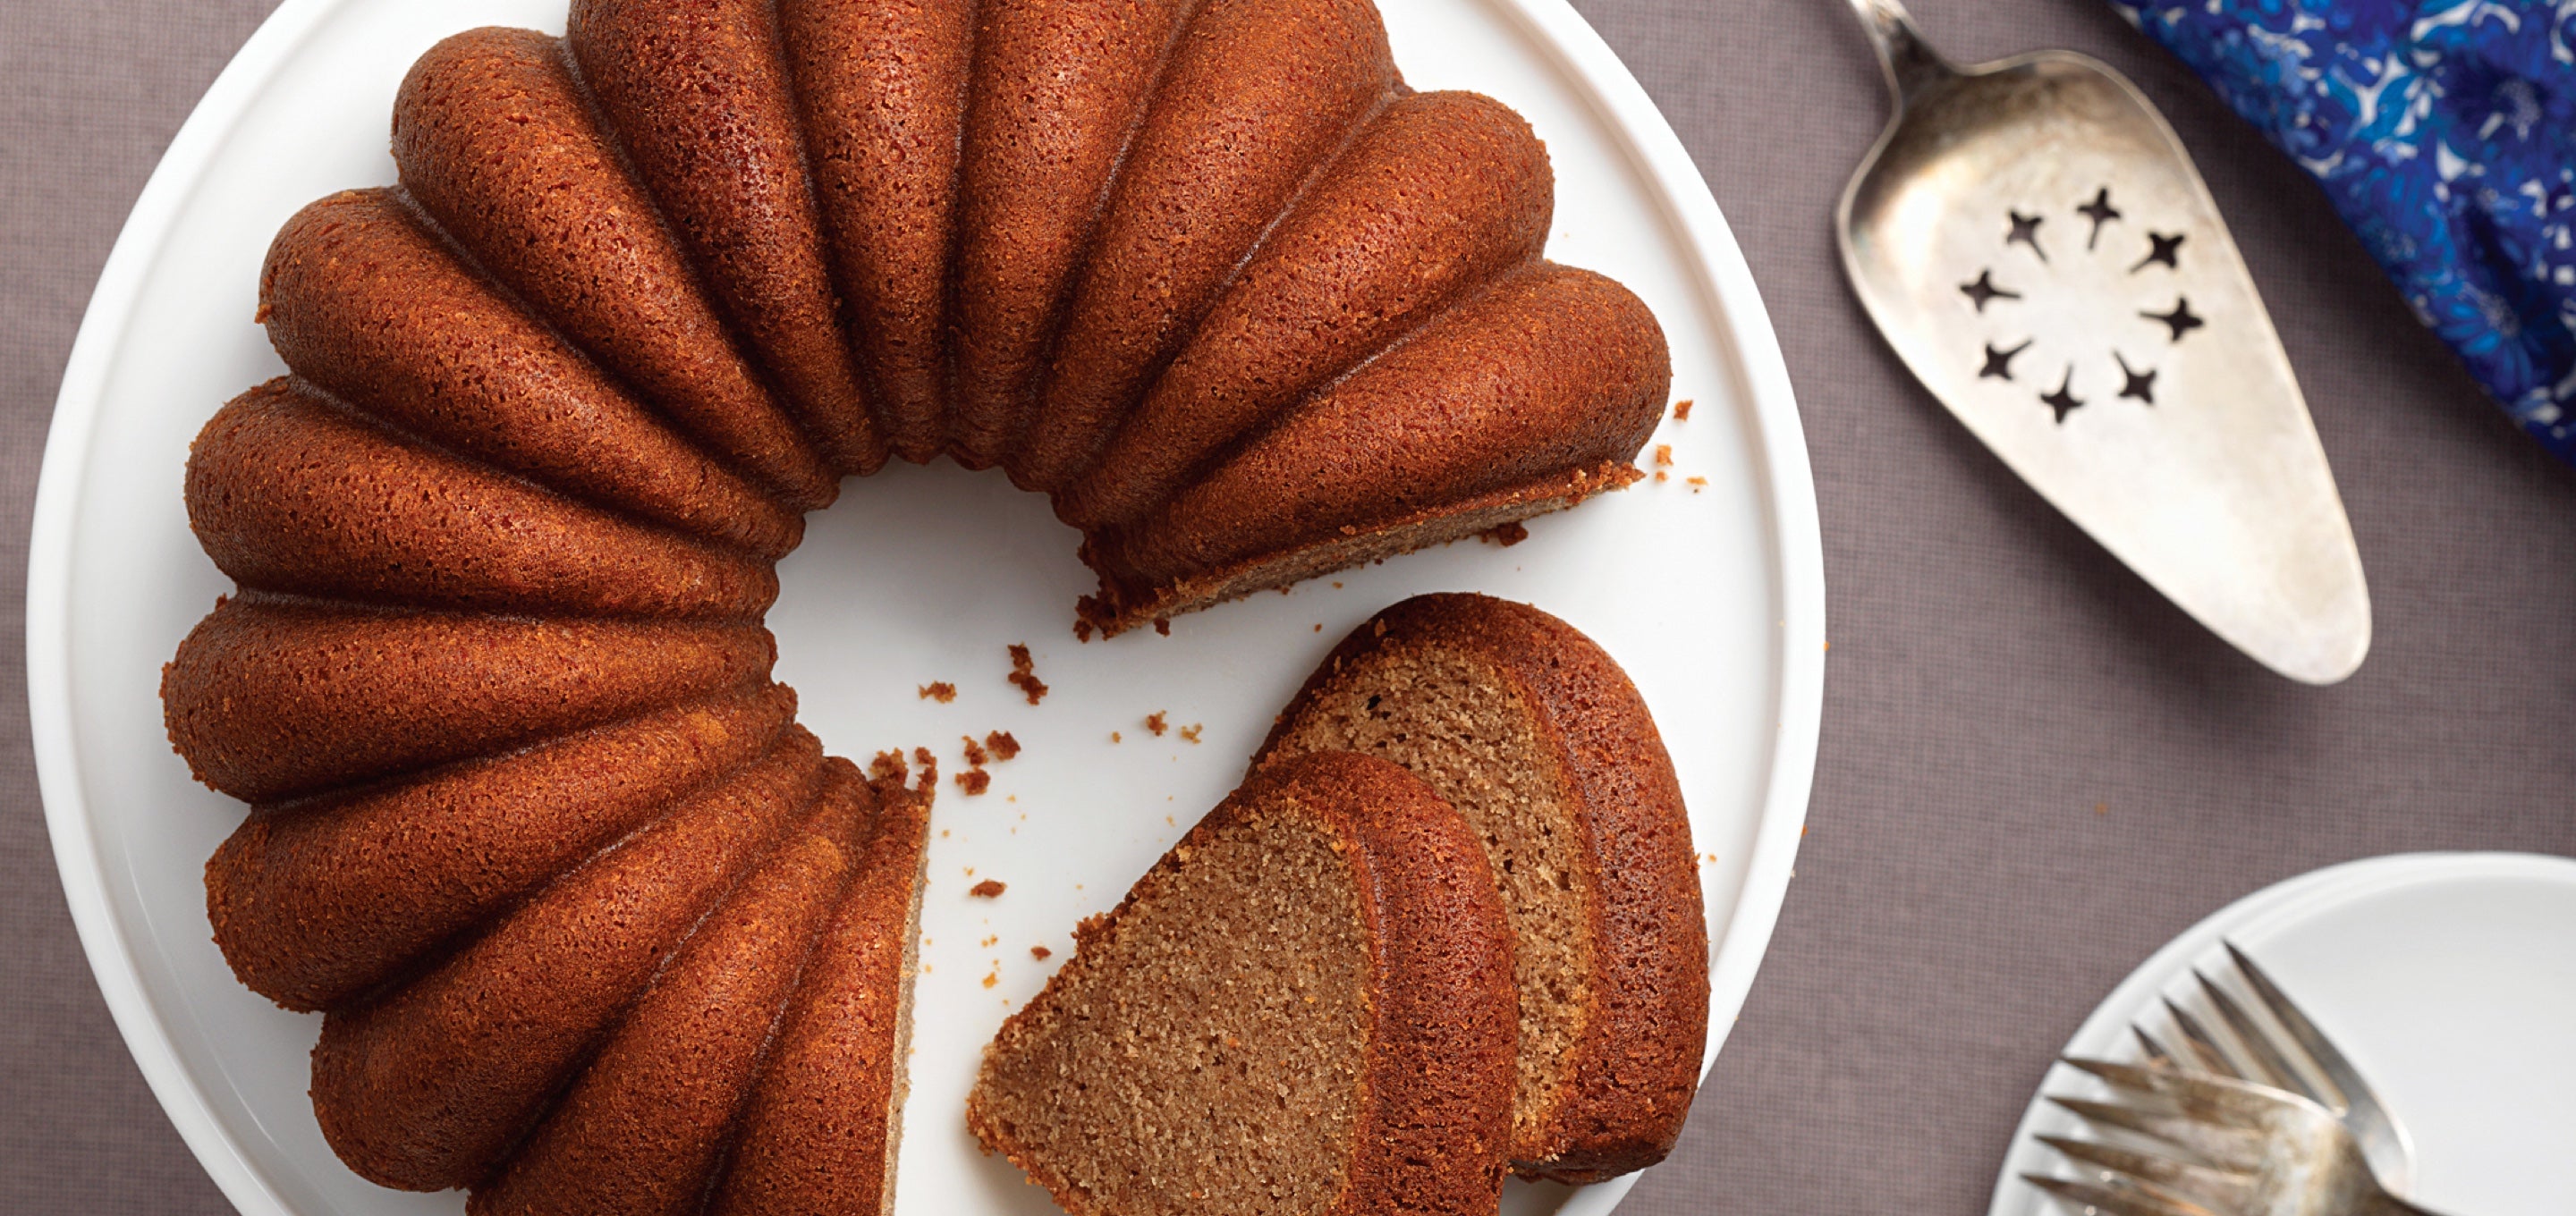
pixel 2034 770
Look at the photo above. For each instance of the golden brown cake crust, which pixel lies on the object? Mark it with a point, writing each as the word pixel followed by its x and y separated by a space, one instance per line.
pixel 1629 1080
pixel 1435 1112
pixel 427 1089
pixel 698 95
pixel 644 1126
pixel 1548 374
pixel 290 493
pixel 1258 95
pixel 314 902
pixel 270 699
pixel 883 89
pixel 820 1129
pixel 1439 193
pixel 495 141
pixel 364 300
pixel 1058 88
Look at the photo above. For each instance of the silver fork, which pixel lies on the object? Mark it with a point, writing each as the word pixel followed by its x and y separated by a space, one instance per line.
pixel 2219 1146
pixel 2296 1058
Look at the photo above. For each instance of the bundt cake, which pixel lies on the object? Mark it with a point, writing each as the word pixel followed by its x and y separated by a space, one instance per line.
pixel 1537 737
pixel 1304 1009
pixel 530 822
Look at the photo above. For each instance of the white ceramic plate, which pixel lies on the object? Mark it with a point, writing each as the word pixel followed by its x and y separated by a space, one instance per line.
pixel 1712 596
pixel 2448 979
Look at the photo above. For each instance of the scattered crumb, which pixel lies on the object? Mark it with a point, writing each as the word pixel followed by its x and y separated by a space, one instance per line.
pixel 990 888
pixel 1337 584
pixel 975 753
pixel 943 833
pixel 929 768
pixel 974 781
pixel 1003 745
pixel 1113 737
pixel 1698 484
pixel 1024 674
pixel 1506 535
pixel 1191 731
pixel 994 976
pixel 1681 410
pixel 1664 455
pixel 1661 475
pixel 1163 626
pixel 1168 820
pixel 1154 722
pixel 941 691
pixel 987 943
pixel 1041 953
pixel 1319 626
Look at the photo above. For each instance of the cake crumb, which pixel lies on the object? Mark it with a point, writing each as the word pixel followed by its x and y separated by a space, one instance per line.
pixel 1319 626
pixel 1337 584
pixel 1002 744
pixel 974 781
pixel 1664 455
pixel 1191 731
pixel 975 753
pixel 1114 738
pixel 941 691
pixel 929 768
pixel 1506 535
pixel 987 943
pixel 1662 476
pixel 1081 630
pixel 994 976
pixel 1024 674
pixel 990 888
pixel 1041 953
pixel 1155 723
pixel 1163 626
pixel 1681 410
pixel 889 766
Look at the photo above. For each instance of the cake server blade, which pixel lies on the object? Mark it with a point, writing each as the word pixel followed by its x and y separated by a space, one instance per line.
pixel 2036 245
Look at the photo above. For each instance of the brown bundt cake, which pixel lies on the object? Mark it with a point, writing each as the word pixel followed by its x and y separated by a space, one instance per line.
pixel 495 680
pixel 1537 737
pixel 1304 1009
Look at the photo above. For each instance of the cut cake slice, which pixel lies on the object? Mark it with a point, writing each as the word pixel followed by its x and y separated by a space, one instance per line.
pixel 1537 737
pixel 1304 1009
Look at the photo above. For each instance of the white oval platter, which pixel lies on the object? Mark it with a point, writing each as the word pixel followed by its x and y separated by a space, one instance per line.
pixel 1708 586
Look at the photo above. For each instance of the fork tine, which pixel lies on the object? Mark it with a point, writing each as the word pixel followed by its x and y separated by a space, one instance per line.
pixel 2354 1092
pixel 2156 1053
pixel 2204 1049
pixel 2271 1067
pixel 2180 1180
pixel 2088 1198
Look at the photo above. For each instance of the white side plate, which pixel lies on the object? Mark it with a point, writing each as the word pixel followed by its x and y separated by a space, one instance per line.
pixel 1711 595
pixel 2449 981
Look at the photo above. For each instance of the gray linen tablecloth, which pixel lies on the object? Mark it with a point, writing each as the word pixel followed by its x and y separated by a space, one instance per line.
pixel 2034 769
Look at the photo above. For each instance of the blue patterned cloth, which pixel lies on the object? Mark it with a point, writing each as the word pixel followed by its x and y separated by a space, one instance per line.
pixel 2445 132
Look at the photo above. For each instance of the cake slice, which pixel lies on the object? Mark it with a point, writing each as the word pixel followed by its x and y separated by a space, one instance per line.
pixel 1259 94
pixel 270 699
pixel 288 492
pixel 699 99
pixel 318 900
pixel 1304 1008
pixel 1537 737
pixel 429 1087
pixel 822 1127
pixel 644 1126
pixel 362 299
pixel 1529 397
pixel 496 142
pixel 882 88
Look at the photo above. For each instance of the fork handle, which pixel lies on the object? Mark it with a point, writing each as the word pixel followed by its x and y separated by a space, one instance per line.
pixel 1910 62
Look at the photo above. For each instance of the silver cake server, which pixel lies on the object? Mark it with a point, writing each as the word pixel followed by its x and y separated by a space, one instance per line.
pixel 2036 245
